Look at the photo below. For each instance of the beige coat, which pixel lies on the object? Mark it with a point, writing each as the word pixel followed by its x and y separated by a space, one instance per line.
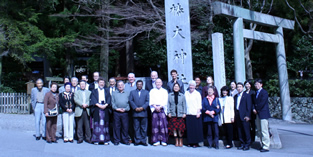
pixel 78 98
pixel 227 110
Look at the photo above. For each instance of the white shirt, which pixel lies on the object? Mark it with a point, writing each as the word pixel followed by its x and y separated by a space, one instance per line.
pixel 193 102
pixel 153 84
pixel 158 97
pixel 96 85
pixel 139 92
pixel 74 89
pixel 112 89
pixel 238 100
pixel 101 95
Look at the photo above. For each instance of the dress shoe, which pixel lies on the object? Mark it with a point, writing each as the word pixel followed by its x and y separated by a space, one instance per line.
pixel 115 144
pixel 79 141
pixel 71 141
pixel 88 141
pixel 245 148
pixel 144 144
pixel 65 141
pixel 228 146
pixel 195 146
pixel 37 138
pixel 136 144
pixel 264 150
pixel 44 138
pixel 55 141
pixel 240 148
pixel 106 143
pixel 49 142
pixel 127 143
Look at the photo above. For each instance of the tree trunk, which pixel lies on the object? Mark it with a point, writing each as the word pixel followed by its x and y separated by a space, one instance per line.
pixel 129 56
pixel 104 52
pixel 69 64
pixel 117 67
pixel 211 25
pixel 249 72
pixel 0 70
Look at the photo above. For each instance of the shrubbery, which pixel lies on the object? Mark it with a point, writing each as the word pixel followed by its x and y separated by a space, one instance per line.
pixel 297 87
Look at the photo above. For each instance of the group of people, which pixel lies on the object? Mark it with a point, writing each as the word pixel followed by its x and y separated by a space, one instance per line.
pixel 158 111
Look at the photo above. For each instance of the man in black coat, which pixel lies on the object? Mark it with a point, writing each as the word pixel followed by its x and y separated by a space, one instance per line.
pixel 243 106
pixel 100 103
pixel 263 114
pixel 139 102
pixel 94 85
pixel 150 84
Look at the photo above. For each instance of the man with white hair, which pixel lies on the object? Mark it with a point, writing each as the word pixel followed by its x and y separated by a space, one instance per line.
pixel 158 106
pixel 131 84
pixel 74 82
pixel 150 84
pixel 37 97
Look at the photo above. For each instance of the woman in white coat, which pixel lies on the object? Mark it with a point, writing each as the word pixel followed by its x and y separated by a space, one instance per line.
pixel 227 115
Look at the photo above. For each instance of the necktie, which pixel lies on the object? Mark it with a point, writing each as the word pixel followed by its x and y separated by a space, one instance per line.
pixel 238 101
pixel 257 93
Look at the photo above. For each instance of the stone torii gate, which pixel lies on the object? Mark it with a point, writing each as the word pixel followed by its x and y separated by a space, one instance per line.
pixel 239 33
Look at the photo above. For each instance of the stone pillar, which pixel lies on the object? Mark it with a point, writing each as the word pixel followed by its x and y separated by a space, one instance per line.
pixel 283 76
pixel 178 39
pixel 218 60
pixel 239 54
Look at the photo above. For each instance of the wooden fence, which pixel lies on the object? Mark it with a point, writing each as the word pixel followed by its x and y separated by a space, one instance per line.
pixel 14 103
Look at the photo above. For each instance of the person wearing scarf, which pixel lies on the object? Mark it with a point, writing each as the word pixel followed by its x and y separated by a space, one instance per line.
pixel 66 101
pixel 210 111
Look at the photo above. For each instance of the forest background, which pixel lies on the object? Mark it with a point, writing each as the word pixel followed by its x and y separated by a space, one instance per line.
pixel 129 36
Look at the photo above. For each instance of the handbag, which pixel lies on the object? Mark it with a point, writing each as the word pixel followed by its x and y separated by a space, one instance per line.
pixel 53 112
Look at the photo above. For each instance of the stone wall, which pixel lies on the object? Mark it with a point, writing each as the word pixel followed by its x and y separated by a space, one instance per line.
pixel 301 108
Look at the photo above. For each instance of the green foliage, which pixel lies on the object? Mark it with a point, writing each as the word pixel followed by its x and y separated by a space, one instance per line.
pixel 151 54
pixel 94 63
pixel 303 56
pixel 297 87
pixel 5 89
pixel 202 60
pixel 272 87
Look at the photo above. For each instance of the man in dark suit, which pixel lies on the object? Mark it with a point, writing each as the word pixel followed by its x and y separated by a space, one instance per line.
pixel 174 80
pixel 263 114
pixel 94 85
pixel 100 103
pixel 112 85
pixel 150 84
pixel 243 105
pixel 139 102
